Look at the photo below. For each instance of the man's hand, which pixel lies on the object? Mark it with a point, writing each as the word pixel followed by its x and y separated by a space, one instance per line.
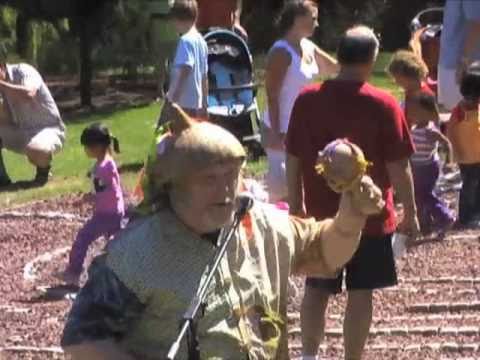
pixel 410 227
pixel 401 177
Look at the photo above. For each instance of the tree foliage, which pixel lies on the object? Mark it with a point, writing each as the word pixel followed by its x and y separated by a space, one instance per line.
pixel 84 35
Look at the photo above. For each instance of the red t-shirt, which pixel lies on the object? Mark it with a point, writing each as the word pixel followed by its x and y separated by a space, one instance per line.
pixel 215 13
pixel 365 115
pixel 425 89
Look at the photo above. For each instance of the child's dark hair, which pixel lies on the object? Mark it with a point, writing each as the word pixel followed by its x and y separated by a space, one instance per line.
pixel 407 63
pixel 426 102
pixel 470 84
pixel 184 10
pixel 291 10
pixel 98 134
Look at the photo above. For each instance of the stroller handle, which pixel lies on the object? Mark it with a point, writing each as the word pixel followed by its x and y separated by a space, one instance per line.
pixel 234 87
pixel 416 23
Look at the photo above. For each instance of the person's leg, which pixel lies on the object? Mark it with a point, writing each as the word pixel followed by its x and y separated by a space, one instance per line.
pixel 372 267
pixel 40 150
pixel 476 210
pixel 312 319
pixel 422 187
pixel 466 205
pixel 41 160
pixel 96 227
pixel 312 313
pixel 356 325
pixel 13 139
pixel 441 214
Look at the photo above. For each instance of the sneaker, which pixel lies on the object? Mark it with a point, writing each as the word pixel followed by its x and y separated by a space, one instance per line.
pixel 42 176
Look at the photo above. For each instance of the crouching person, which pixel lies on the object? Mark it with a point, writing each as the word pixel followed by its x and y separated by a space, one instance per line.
pixel 32 125
pixel 137 292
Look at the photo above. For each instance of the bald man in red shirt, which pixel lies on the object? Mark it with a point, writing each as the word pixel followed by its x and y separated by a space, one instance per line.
pixel 349 107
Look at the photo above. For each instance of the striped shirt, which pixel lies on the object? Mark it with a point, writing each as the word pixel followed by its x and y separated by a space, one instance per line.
pixel 426 148
pixel 36 113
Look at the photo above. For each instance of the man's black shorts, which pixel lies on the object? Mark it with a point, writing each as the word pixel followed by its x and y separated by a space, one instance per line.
pixel 372 267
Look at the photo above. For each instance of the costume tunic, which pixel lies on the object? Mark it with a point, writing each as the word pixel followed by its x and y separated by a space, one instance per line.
pixel 138 291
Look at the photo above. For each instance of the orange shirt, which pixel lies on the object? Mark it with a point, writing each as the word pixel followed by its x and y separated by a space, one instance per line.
pixel 216 13
pixel 463 130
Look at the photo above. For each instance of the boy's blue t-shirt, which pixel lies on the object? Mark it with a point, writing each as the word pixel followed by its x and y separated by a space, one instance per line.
pixel 191 51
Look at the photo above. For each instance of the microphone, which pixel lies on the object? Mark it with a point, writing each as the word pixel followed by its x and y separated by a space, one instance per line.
pixel 245 202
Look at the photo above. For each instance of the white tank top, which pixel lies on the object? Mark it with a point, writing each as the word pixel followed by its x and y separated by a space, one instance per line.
pixel 299 74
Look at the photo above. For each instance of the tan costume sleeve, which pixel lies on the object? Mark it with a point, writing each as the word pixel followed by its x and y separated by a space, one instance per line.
pixel 322 248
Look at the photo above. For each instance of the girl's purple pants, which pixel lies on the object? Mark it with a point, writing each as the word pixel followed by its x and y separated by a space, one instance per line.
pixel 99 225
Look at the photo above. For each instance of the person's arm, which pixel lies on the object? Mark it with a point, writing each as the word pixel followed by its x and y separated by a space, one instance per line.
pixel 327 64
pixel 182 67
pixel 25 83
pixel 296 201
pixel 436 135
pixel 415 43
pixel 100 316
pixel 179 82
pixel 396 148
pixel 204 111
pixel 21 91
pixel 400 175
pixel 277 66
pixel 322 248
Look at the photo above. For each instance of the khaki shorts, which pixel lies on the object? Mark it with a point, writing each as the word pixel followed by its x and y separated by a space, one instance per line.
pixel 49 140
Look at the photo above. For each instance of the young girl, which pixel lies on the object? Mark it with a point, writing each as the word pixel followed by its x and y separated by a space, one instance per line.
pixel 463 130
pixel 409 72
pixel 109 207
pixel 433 214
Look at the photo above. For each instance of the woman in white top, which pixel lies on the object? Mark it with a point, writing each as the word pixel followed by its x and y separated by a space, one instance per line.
pixel 293 62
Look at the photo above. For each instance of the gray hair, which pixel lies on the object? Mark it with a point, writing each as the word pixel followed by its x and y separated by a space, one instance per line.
pixel 359 45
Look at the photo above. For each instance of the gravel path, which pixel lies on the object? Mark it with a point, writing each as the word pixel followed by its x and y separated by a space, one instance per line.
pixel 434 312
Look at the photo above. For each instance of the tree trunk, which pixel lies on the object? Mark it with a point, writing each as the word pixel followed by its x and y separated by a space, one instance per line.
pixel 21 28
pixel 86 63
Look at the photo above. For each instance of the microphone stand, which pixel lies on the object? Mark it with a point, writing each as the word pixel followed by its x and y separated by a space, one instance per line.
pixel 188 326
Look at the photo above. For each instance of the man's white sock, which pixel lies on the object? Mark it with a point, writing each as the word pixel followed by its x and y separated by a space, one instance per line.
pixel 309 357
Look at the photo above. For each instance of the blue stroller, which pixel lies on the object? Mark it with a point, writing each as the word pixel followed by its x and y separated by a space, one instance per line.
pixel 232 101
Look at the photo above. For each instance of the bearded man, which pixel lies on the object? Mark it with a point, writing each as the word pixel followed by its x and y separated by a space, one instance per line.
pixel 137 292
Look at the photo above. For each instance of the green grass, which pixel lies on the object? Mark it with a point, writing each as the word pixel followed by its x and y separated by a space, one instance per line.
pixel 134 129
